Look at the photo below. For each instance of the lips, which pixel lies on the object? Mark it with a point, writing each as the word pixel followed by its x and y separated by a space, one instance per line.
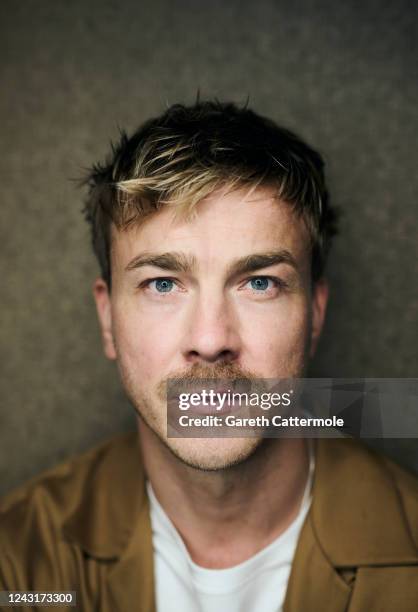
pixel 211 409
pixel 207 397
pixel 220 406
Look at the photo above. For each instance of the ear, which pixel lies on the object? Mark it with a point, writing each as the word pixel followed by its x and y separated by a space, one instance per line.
pixel 320 293
pixel 104 313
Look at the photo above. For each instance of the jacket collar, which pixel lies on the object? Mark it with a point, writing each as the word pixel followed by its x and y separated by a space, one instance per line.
pixel 112 500
pixel 356 518
pixel 356 515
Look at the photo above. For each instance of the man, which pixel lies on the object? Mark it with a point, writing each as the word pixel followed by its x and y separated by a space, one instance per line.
pixel 212 227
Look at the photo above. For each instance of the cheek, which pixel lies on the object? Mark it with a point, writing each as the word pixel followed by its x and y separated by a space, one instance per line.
pixel 281 341
pixel 144 342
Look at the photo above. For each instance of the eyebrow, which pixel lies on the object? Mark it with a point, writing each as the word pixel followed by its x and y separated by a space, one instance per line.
pixel 174 262
pixel 258 261
pixel 180 262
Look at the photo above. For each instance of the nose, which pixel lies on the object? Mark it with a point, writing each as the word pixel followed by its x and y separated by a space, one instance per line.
pixel 212 332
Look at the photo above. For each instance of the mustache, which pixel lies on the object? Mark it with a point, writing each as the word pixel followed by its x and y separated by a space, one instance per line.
pixel 198 372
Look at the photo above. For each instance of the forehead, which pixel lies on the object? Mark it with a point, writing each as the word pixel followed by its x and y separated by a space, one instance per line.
pixel 224 226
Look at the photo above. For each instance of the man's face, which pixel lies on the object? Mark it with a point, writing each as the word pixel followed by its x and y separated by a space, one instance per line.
pixel 225 294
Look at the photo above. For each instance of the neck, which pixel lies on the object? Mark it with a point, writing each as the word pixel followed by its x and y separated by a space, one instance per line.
pixel 225 517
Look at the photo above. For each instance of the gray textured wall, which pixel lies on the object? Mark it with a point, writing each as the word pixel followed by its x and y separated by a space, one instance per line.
pixel 340 73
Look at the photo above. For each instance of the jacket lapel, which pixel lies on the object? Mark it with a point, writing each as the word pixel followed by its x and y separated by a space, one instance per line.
pixel 353 502
pixel 111 524
pixel 314 584
pixel 130 583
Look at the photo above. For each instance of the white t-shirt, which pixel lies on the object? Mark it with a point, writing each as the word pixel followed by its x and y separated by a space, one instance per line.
pixel 256 584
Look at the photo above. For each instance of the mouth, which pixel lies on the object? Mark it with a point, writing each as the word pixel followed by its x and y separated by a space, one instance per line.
pixel 217 407
pixel 214 401
pixel 208 396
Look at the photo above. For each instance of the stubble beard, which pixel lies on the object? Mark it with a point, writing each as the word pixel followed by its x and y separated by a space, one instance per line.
pixel 205 454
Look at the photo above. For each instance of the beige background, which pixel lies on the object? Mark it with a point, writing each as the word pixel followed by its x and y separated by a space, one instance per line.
pixel 343 74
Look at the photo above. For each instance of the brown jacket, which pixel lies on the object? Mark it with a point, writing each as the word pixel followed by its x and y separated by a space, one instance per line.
pixel 85 526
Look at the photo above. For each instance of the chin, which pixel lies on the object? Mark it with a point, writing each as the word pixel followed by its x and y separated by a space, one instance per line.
pixel 212 454
pixel 206 454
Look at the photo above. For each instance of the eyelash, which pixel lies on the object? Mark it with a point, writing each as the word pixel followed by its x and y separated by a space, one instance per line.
pixel 277 282
pixel 146 283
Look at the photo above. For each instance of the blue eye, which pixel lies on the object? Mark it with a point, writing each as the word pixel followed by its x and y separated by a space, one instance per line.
pixel 261 283
pixel 163 285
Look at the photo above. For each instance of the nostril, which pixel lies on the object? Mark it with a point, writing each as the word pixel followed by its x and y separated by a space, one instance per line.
pixel 225 356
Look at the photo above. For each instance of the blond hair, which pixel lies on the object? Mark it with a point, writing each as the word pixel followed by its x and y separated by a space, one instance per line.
pixel 184 155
